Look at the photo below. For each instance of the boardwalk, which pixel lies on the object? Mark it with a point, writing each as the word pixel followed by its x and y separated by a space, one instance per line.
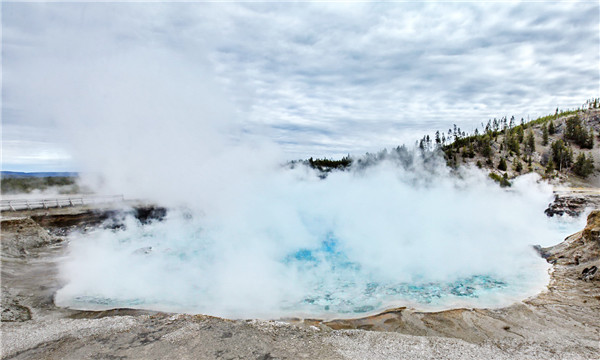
pixel 80 200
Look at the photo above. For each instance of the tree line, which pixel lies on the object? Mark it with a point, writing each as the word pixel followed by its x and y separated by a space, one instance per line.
pixel 504 138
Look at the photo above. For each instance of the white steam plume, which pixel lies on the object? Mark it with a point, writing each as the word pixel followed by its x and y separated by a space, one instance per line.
pixel 265 241
pixel 292 244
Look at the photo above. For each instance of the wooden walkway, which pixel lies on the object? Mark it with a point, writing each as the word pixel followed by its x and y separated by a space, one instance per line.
pixel 82 200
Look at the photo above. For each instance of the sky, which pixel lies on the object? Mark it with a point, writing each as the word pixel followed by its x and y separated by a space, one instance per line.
pixel 315 79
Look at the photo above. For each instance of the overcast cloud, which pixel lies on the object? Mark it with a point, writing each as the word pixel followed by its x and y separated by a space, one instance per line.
pixel 319 79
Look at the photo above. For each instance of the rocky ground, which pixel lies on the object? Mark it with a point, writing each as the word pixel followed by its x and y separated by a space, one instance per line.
pixel 560 323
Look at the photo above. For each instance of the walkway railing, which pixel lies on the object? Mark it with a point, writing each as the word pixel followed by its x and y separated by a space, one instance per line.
pixel 30 204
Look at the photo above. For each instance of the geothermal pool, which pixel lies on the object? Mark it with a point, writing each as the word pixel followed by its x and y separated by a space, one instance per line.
pixel 309 249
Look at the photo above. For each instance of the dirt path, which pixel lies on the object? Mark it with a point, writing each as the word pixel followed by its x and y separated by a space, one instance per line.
pixel 577 190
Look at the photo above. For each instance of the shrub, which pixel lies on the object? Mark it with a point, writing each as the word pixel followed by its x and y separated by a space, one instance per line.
pixel 518 166
pixel 502 180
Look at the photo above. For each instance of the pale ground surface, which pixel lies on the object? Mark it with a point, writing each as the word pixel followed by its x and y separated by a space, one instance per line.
pixel 560 323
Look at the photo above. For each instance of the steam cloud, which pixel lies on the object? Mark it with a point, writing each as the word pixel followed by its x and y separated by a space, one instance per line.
pixel 263 240
pixel 292 244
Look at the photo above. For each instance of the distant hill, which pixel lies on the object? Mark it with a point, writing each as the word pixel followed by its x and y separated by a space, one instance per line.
pixel 564 146
pixel 561 147
pixel 17 174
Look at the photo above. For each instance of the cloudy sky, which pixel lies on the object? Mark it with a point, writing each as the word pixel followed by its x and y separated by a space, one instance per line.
pixel 319 79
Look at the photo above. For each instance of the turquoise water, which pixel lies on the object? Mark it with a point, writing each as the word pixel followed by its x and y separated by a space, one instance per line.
pixel 182 267
pixel 354 291
pixel 333 285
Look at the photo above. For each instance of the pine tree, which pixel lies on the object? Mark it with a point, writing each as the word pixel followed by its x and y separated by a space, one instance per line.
pixel 502 164
pixel 583 166
pixel 544 135
pixel 512 144
pixel 550 167
pixel 486 149
pixel 530 144
pixel 551 128
pixel 520 134
pixel 561 154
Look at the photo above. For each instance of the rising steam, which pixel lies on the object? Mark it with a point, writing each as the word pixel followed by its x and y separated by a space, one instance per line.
pixel 293 244
pixel 248 237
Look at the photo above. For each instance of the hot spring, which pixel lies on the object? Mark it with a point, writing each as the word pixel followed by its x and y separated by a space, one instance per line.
pixel 355 243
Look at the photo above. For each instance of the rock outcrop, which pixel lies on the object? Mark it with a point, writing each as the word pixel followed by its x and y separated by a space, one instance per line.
pixel 21 235
pixel 572 204
pixel 580 249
